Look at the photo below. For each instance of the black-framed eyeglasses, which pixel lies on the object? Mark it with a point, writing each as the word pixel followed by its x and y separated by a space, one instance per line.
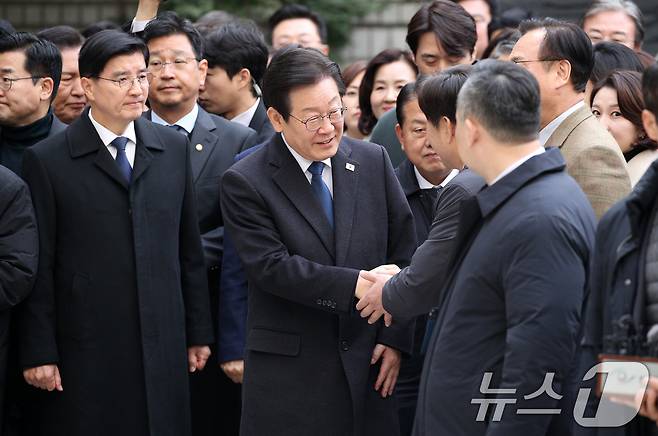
pixel 7 82
pixel 527 61
pixel 156 66
pixel 315 122
pixel 127 83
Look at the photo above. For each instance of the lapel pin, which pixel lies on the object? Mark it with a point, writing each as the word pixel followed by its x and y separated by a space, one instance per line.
pixel 199 147
pixel 349 167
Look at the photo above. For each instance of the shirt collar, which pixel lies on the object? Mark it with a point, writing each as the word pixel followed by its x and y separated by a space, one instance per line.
pixel 107 136
pixel 546 132
pixel 187 122
pixel 517 164
pixel 301 160
pixel 423 183
pixel 245 117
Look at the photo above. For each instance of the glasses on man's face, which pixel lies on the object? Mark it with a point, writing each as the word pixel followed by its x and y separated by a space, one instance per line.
pixel 127 83
pixel 315 122
pixel 156 66
pixel 7 82
pixel 527 61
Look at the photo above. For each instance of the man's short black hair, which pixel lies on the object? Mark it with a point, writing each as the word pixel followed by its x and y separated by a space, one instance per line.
pixel 452 26
pixel 62 36
pixel 98 50
pixel 650 89
pixel 42 58
pixel 292 68
pixel 169 23
pixel 610 56
pixel 565 41
pixel 437 94
pixel 236 46
pixel 504 98
pixel 294 10
pixel 407 94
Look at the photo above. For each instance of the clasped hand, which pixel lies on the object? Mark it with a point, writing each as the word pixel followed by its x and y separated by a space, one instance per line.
pixel 369 289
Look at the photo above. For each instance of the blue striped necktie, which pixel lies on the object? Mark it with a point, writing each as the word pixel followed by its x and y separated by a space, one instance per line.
pixel 321 191
pixel 122 160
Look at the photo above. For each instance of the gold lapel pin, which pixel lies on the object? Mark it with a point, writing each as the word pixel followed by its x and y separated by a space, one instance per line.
pixel 349 167
pixel 199 147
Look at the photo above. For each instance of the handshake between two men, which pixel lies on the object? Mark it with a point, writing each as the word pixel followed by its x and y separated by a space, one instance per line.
pixel 369 289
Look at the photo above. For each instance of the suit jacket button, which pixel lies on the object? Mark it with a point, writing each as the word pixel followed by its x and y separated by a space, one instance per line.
pixel 199 147
pixel 344 345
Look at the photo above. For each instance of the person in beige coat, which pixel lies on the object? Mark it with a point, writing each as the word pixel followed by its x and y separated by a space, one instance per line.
pixel 559 55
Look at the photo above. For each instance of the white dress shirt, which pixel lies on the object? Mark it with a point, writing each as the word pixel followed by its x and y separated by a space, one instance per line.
pixel 551 127
pixel 107 136
pixel 304 164
pixel 423 183
pixel 517 164
pixel 187 122
pixel 245 117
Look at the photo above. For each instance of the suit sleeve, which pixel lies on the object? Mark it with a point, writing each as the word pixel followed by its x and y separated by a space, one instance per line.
pixel 401 246
pixel 19 243
pixel 602 175
pixel 417 288
pixel 543 284
pixel 267 262
pixel 194 281
pixel 37 335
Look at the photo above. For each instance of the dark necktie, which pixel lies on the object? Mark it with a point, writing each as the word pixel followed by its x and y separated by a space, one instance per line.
pixel 122 160
pixel 321 191
pixel 178 128
pixel 429 197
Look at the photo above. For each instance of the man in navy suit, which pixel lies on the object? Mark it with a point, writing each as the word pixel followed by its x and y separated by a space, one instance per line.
pixel 178 70
pixel 307 212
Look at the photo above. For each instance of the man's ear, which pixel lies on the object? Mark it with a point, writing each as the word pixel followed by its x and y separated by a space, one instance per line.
pixel 398 133
pixel 562 73
pixel 203 71
pixel 87 87
pixel 47 88
pixel 276 119
pixel 243 78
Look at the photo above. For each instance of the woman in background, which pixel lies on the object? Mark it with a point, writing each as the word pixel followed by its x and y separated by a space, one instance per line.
pixel 617 103
pixel 352 76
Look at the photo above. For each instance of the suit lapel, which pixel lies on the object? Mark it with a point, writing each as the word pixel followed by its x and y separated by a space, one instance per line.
pixel 293 183
pixel 563 131
pixel 203 140
pixel 146 139
pixel 345 173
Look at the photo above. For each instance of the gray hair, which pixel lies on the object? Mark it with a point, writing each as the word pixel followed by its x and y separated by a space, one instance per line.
pixel 504 98
pixel 627 6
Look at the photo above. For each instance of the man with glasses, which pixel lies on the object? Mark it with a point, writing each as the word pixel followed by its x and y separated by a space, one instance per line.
pixel 119 313
pixel 306 213
pixel 559 55
pixel 30 71
pixel 178 70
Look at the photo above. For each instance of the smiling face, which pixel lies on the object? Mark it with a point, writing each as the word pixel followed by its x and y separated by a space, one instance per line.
pixel 177 83
pixel 112 106
pixel 70 100
pixel 305 102
pixel 606 109
pixel 388 82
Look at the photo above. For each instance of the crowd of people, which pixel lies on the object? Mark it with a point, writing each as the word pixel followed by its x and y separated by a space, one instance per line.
pixel 207 231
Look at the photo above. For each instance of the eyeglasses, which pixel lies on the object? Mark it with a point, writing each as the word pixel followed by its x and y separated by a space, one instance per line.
pixel 517 61
pixel 7 82
pixel 178 63
pixel 314 123
pixel 127 83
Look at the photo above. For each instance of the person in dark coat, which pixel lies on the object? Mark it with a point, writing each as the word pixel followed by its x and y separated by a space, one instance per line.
pixel 19 253
pixel 312 366
pixel 622 304
pixel 178 69
pixel 237 58
pixel 509 317
pixel 119 313
pixel 422 175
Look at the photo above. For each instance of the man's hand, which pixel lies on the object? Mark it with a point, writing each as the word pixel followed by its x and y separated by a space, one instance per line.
pixel 389 370
pixel 234 370
pixel 370 305
pixel 362 284
pixel 147 10
pixel 649 400
pixel 44 377
pixel 197 357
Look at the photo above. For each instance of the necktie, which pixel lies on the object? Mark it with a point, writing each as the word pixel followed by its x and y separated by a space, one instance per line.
pixel 178 128
pixel 429 197
pixel 321 191
pixel 122 160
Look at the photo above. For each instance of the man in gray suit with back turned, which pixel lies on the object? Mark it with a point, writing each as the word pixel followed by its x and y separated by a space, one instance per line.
pixel 307 212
